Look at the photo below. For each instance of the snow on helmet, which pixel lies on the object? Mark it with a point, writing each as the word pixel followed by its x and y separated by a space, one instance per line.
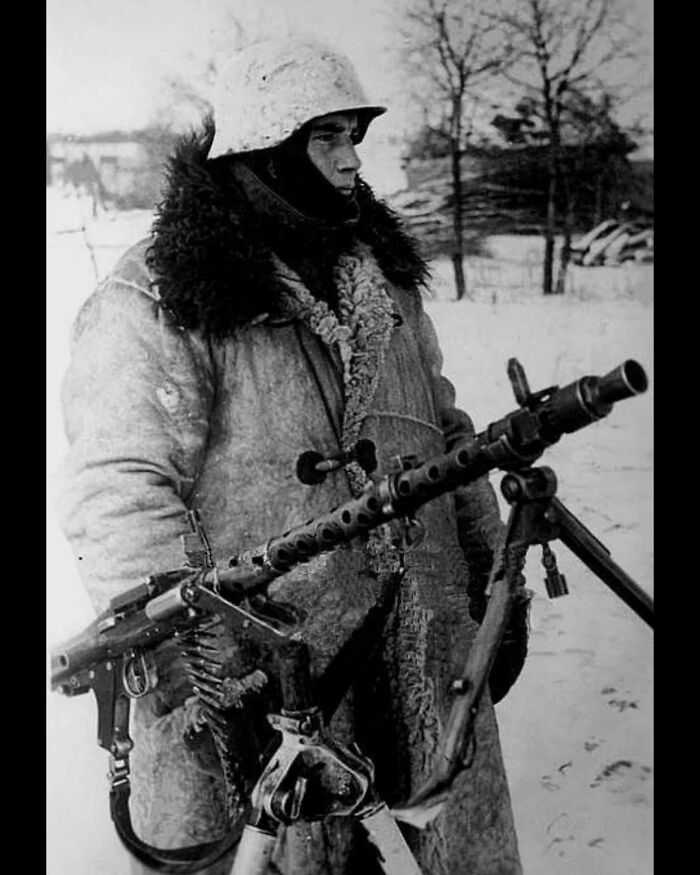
pixel 269 90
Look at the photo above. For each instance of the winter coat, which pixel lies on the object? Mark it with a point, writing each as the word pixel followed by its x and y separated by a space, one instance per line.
pixel 162 418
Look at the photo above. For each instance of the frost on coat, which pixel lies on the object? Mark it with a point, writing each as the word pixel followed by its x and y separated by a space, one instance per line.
pixel 160 420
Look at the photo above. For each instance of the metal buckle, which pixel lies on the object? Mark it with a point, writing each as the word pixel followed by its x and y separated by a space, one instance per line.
pixel 118 773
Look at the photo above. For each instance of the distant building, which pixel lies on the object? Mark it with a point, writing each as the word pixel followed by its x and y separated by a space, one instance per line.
pixel 126 167
pixel 129 165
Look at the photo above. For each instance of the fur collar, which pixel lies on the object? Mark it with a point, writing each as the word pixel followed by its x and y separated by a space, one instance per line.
pixel 219 234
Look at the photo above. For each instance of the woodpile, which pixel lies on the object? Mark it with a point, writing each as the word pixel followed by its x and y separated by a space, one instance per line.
pixel 504 191
pixel 490 206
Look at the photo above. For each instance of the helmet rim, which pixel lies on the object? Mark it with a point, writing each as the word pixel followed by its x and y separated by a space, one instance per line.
pixel 270 90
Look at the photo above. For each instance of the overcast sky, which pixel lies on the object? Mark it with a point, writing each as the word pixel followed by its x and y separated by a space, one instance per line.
pixel 106 59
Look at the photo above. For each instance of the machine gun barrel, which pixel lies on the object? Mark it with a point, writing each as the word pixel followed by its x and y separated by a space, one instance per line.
pixel 591 398
pixel 545 416
pixel 514 441
pixel 626 380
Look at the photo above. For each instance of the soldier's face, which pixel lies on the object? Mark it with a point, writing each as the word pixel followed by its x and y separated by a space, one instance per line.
pixel 331 149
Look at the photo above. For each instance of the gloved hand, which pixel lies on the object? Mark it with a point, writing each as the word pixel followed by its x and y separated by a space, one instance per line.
pixel 511 655
pixel 481 533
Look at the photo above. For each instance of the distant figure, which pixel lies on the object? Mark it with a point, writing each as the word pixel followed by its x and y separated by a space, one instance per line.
pixel 85 179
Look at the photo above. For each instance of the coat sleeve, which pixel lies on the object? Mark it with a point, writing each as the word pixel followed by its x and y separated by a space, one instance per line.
pixel 136 401
pixel 479 527
pixel 479 523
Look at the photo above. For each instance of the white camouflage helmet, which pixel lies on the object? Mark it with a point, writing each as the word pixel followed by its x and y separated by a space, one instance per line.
pixel 269 90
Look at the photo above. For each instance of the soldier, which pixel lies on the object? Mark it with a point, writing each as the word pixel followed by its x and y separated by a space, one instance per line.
pixel 276 308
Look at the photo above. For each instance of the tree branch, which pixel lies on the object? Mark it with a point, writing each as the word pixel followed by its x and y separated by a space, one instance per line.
pixel 585 34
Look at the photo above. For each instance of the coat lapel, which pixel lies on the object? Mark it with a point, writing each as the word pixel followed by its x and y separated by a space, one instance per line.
pixel 328 379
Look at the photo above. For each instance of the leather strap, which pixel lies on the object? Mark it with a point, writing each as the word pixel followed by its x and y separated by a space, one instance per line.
pixel 183 861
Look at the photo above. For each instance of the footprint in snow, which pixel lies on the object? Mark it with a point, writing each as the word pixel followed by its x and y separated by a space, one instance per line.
pixel 622 776
pixel 622 704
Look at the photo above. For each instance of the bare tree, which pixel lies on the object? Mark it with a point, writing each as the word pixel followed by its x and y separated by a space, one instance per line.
pixel 453 47
pixel 566 49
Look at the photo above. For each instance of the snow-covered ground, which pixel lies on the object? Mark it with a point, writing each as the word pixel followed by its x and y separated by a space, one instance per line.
pixel 577 729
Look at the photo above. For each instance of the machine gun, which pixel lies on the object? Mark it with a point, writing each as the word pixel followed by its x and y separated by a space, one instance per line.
pixel 112 656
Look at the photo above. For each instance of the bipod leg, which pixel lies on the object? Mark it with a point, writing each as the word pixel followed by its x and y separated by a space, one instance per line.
pixel 274 802
pixel 596 556
pixel 255 848
pixel 522 530
pixel 556 521
pixel 395 857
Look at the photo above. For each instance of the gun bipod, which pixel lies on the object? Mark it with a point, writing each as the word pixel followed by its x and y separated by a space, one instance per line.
pixel 311 776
